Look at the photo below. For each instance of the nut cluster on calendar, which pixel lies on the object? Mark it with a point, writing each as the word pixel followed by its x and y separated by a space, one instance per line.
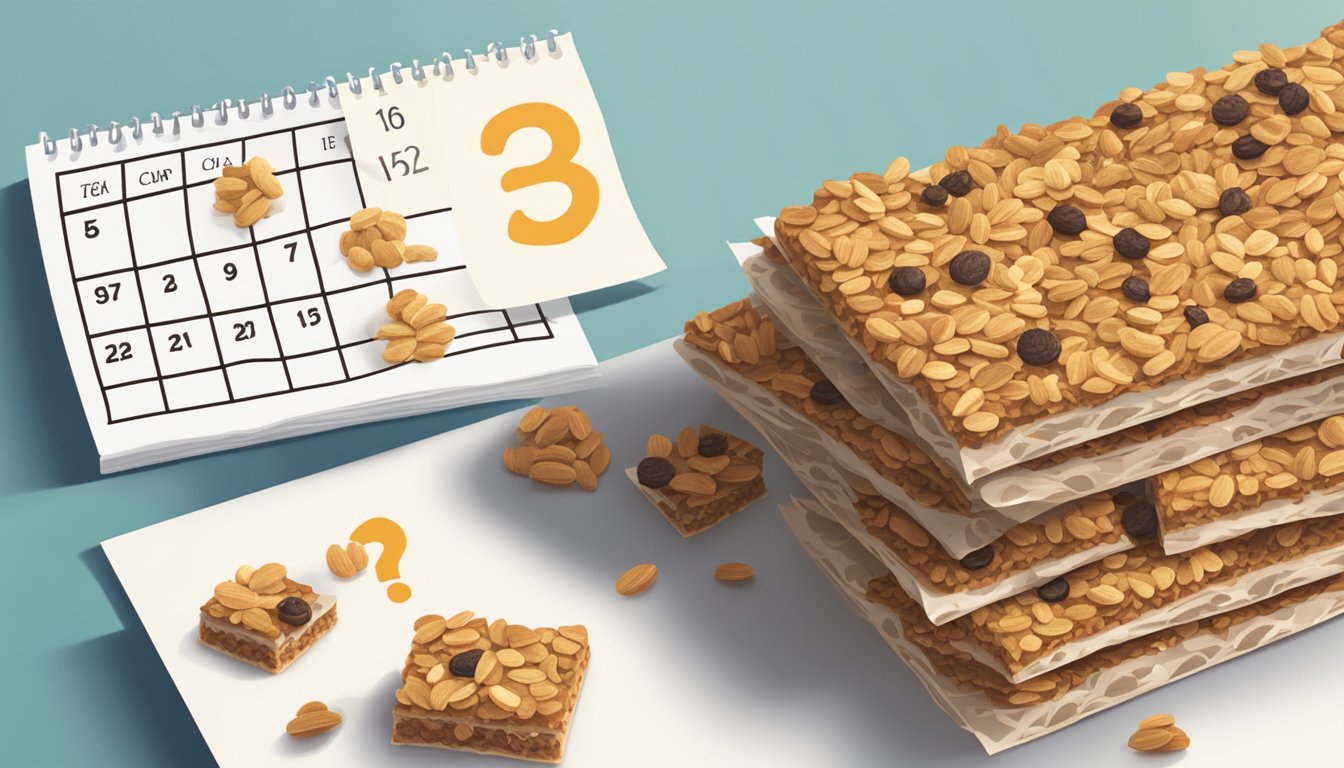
pixel 377 238
pixel 419 330
pixel 246 191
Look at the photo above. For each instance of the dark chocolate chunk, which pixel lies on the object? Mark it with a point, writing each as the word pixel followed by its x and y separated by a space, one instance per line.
pixel 1196 316
pixel 1139 520
pixel 1248 148
pixel 825 393
pixel 933 196
pixel 969 267
pixel 1240 290
pixel 1126 116
pixel 1270 81
pixel 1130 244
pixel 957 183
pixel 1053 591
pixel 978 559
pixel 1067 220
pixel 1293 99
pixel 1037 346
pixel 464 663
pixel 907 281
pixel 1230 110
pixel 1135 288
pixel 713 444
pixel 294 611
pixel 1234 201
pixel 655 472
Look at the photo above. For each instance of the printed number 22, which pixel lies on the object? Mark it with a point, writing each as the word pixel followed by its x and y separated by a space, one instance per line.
pixel 558 166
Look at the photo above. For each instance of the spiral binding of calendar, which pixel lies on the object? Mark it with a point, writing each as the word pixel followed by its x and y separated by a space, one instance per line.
pixel 441 67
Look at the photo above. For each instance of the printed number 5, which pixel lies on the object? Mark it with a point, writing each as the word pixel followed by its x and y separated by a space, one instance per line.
pixel 558 166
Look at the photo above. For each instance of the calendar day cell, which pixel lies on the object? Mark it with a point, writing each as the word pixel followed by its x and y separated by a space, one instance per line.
pixel 452 288
pixel 123 357
pixel 438 231
pixel 257 379
pixel 482 341
pixel 172 291
pixel 212 230
pixel 525 314
pixel 96 186
pixel 159 228
pixel 285 216
pixel 132 400
pixel 149 175
pixel 277 148
pixel 472 323
pixel 207 163
pixel 288 268
pixel 533 330
pixel 330 193
pixel 111 302
pixel 186 346
pixel 322 143
pixel 303 326
pixel 246 336
pixel 196 389
pixel 231 280
pixel 364 359
pixel 316 370
pixel 336 272
pixel 356 314
pixel 98 241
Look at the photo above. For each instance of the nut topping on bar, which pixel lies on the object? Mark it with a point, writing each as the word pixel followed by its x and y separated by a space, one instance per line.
pixel 701 479
pixel 264 618
pixel 1220 189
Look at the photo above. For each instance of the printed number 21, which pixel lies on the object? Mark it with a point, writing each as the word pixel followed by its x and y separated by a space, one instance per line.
pixel 558 166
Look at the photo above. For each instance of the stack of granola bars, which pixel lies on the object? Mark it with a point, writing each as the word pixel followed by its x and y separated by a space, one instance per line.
pixel 1071 403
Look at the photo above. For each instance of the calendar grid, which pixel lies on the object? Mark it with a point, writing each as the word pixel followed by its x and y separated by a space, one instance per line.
pixel 200 382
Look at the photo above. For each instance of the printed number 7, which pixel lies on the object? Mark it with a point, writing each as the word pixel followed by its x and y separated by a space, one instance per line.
pixel 558 166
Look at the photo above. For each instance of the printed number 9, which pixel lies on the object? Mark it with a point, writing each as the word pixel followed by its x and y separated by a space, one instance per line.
pixel 557 166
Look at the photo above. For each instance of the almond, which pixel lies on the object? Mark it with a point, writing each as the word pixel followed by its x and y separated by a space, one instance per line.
pixel 734 572
pixel 693 483
pixel 338 560
pixel 637 579
pixel 267 576
pixel 310 724
pixel 552 473
pixel 359 557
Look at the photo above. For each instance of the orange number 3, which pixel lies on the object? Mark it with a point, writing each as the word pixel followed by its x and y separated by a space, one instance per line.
pixel 558 166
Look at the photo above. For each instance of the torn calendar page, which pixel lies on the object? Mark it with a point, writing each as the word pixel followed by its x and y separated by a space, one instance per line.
pixel 188 333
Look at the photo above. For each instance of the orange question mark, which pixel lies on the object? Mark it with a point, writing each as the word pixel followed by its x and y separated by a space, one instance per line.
pixel 383 531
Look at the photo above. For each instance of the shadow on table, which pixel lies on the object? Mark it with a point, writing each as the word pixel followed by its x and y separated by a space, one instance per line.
pixel 42 409
pixel 606 297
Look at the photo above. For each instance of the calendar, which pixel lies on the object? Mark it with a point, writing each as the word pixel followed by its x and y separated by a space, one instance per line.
pixel 188 334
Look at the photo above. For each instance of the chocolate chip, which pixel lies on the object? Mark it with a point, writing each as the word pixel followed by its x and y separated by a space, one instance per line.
pixel 1130 244
pixel 825 393
pixel 1195 316
pixel 1248 148
pixel 1234 201
pixel 933 196
pixel 1139 520
pixel 1230 110
pixel 1240 290
pixel 1053 591
pixel 655 472
pixel 294 610
pixel 1135 288
pixel 464 663
pixel 713 444
pixel 969 267
pixel 1293 99
pixel 1270 81
pixel 1038 347
pixel 957 183
pixel 978 559
pixel 1067 220
pixel 1126 116
pixel 907 281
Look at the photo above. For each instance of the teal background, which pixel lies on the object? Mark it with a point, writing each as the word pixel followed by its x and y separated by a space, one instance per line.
pixel 719 111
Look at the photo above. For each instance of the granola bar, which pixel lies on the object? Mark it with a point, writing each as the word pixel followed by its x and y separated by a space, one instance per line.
pixel 701 479
pixel 264 618
pixel 1064 266
pixel 490 687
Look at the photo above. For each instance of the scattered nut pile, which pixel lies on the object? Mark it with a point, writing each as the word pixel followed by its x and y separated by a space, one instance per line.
pixel 377 238
pixel 637 580
pixel 258 598
pixel 346 561
pixel 1159 734
pixel 559 447
pixel 419 330
pixel 246 191
pixel 312 719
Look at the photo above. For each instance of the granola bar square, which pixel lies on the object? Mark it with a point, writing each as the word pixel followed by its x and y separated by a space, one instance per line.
pixel 701 479
pixel 264 618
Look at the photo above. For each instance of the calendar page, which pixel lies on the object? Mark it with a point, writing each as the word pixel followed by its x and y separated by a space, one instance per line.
pixel 187 333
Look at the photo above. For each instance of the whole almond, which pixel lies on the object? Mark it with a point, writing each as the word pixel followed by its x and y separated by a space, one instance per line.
pixel 385 254
pixel 600 460
pixel 266 576
pixel 360 259
pixel 579 425
pixel 584 475
pixel 533 419
pixel 738 472
pixel 553 430
pixel 688 444
pixel 416 253
pixel 310 724
pixel 235 596
pixel 312 706
pixel 338 560
pixel 637 579
pixel 693 483
pixel 365 218
pixel 552 473
pixel 359 557
pixel 1150 740
pixel 734 572
pixel 659 446
pixel 244 574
